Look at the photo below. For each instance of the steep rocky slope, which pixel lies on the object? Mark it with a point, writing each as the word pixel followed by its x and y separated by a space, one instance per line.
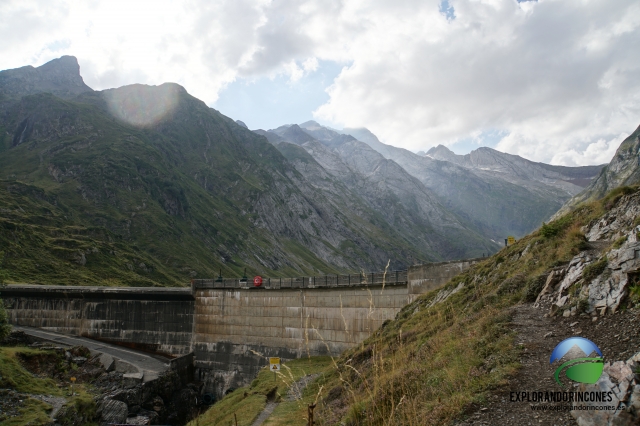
pixel 407 207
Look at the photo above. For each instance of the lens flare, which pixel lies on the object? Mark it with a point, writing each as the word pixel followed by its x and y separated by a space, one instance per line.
pixel 141 105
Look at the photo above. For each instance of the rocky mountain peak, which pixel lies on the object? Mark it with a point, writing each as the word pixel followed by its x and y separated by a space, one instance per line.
pixel 295 134
pixel 63 66
pixel 60 77
pixel 363 134
pixel 142 105
pixel 310 125
pixel 440 151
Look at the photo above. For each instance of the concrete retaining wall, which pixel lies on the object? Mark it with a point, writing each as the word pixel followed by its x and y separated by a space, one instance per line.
pixel 154 319
pixel 430 276
pixel 236 331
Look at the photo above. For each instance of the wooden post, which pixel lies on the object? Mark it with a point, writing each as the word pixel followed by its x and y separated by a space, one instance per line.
pixel 235 418
pixel 310 408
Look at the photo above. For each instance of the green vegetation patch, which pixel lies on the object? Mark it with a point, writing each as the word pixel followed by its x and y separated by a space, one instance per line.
pixel 14 376
pixel 247 403
pixel 33 412
pixel 593 270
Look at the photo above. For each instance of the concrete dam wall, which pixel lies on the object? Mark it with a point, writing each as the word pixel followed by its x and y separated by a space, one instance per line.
pixel 232 331
pixel 153 319
pixel 236 331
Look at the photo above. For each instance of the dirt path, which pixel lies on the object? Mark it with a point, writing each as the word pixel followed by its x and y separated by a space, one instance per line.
pixel 616 335
pixel 295 392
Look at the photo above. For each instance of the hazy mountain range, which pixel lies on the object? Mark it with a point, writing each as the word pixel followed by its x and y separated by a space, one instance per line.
pixel 487 191
pixel 146 185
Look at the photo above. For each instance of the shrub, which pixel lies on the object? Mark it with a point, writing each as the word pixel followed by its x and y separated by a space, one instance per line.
pixel 619 242
pixel 593 270
pixel 534 287
pixel 552 229
pixel 610 200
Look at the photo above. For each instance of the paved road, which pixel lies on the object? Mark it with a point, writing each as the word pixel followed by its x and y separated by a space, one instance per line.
pixel 150 364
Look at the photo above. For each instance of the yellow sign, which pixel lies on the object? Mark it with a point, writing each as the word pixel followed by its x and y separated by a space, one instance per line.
pixel 510 240
pixel 73 379
pixel 274 364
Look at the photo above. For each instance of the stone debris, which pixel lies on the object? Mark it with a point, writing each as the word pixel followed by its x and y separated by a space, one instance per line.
pixel 445 294
pixel 132 379
pixel 622 378
pixel 112 412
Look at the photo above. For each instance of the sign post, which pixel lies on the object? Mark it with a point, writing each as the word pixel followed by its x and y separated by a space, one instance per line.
pixel 510 240
pixel 73 380
pixel 274 365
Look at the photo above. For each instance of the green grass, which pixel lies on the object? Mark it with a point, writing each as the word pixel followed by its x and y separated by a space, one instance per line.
pixel 16 377
pixel 33 412
pixel 80 406
pixel 249 401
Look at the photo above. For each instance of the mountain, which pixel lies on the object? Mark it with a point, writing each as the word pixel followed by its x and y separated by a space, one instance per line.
pixel 623 170
pixel 498 193
pixel 519 170
pixel 60 77
pixel 146 185
pixel 379 190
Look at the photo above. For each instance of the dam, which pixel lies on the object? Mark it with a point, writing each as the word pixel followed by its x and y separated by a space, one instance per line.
pixel 230 326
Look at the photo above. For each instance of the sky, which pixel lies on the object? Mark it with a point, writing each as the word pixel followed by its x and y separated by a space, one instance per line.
pixel 556 81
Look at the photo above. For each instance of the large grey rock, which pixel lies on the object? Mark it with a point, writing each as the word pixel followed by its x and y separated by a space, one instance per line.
pixel 107 362
pixel 112 411
pixel 132 380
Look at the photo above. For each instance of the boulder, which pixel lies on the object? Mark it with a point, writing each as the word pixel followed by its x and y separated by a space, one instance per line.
pixel 112 412
pixel 131 380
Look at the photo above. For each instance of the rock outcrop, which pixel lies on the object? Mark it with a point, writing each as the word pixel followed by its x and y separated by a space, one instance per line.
pixel 622 379
pixel 596 281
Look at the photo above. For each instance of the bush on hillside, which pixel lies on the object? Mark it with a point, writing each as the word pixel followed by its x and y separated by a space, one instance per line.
pixel 609 201
pixel 552 229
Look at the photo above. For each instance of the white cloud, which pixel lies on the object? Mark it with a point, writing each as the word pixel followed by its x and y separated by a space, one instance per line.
pixel 561 79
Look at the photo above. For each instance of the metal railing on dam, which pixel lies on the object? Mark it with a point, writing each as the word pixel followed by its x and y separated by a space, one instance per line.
pixel 323 281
